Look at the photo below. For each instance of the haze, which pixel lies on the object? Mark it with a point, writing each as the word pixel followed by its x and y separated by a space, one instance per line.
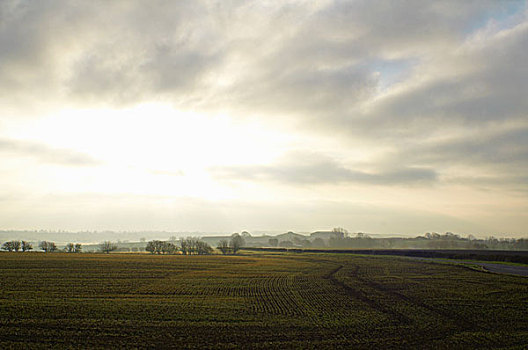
pixel 217 116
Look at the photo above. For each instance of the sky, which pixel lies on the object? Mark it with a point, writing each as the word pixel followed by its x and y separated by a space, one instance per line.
pixel 388 117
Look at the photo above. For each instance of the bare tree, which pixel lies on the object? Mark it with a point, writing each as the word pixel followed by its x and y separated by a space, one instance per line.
pixel 189 245
pixel 168 248
pixel 151 247
pixel 223 246
pixel 185 249
pixel 16 245
pixel 11 246
pixel 70 247
pixel 8 246
pixel 44 246
pixel 161 247
pixel 340 232
pixel 48 246
pixel 236 242
pixel 26 246
pixel 193 245
pixel 107 247
pixel 202 248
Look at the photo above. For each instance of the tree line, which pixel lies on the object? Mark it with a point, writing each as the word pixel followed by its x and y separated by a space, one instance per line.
pixel 233 245
pixel 184 246
pixel 429 240
pixel 195 246
pixel 51 247
pixel 340 238
pixel 15 246
pixel 47 247
pixel 187 246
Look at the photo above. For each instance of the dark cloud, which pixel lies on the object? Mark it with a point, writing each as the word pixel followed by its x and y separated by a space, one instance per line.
pixel 491 153
pixel 489 158
pixel 506 147
pixel 46 154
pixel 109 53
pixel 512 184
pixel 289 58
pixel 310 168
pixel 483 84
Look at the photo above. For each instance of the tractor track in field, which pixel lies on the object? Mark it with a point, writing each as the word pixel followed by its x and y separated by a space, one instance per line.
pixel 355 294
pixel 494 267
pixel 462 323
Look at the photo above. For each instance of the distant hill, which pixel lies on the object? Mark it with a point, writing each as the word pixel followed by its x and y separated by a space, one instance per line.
pixel 326 235
pixel 290 236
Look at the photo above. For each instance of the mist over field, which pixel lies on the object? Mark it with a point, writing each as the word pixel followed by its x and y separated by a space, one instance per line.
pixel 327 240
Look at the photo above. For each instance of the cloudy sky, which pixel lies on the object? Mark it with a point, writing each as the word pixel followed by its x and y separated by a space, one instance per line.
pixel 377 116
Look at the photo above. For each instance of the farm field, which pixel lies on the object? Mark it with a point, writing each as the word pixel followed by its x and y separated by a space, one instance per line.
pixel 260 300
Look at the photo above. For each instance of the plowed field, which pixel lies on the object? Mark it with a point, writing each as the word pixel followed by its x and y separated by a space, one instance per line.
pixel 268 300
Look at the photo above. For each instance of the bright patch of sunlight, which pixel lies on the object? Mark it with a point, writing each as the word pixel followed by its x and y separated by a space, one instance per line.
pixel 151 148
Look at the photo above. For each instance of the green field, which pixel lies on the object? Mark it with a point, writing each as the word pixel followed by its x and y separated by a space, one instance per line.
pixel 281 300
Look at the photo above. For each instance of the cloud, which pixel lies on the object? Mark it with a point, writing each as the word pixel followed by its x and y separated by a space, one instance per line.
pixel 481 82
pixel 46 154
pixel 507 147
pixel 99 52
pixel 494 157
pixel 311 168
pixel 326 66
pixel 427 92
pixel 287 58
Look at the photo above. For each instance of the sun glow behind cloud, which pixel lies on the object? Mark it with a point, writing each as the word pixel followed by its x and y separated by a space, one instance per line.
pixel 151 148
